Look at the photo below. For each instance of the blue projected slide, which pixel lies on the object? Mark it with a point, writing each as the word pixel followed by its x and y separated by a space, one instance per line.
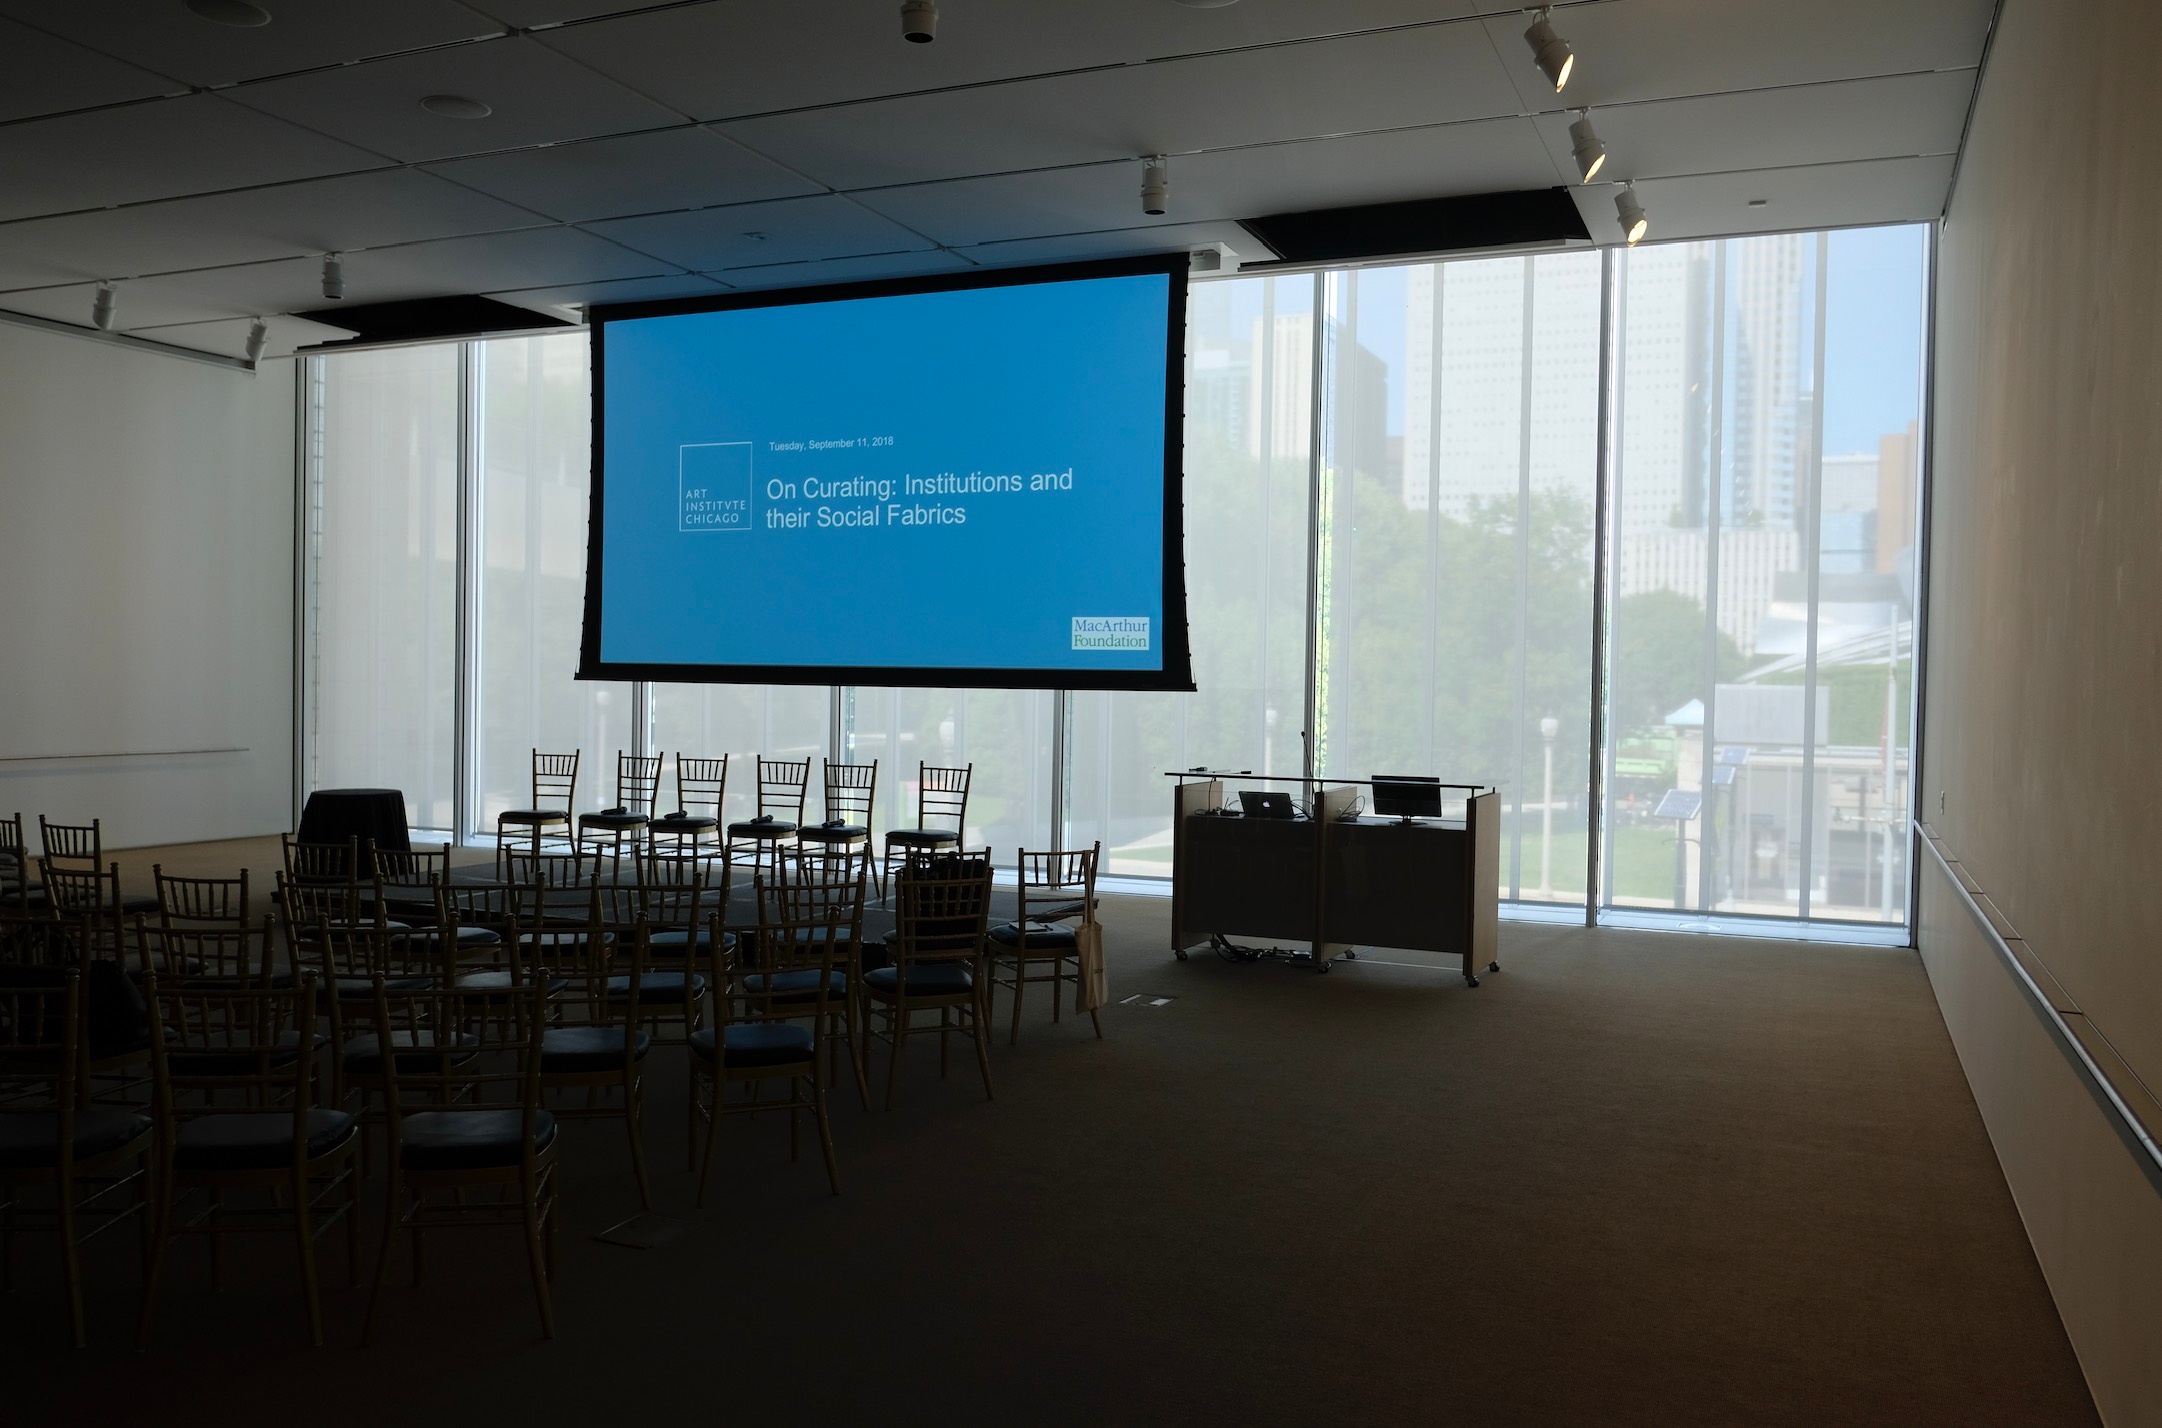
pixel 939 486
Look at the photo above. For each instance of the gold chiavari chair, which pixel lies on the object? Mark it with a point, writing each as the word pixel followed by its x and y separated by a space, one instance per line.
pixel 89 899
pixel 816 887
pixel 19 889
pixel 50 1136
pixel 701 794
pixel 594 1042
pixel 851 793
pixel 209 955
pixel 784 786
pixel 465 1118
pixel 555 795
pixel 1055 890
pixel 761 1034
pixel 321 863
pixel 237 1112
pixel 82 846
pixel 638 783
pixel 937 958
pixel 941 815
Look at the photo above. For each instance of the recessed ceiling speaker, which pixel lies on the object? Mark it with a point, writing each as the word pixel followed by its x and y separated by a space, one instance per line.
pixel 1156 187
pixel 101 308
pixel 1584 144
pixel 333 277
pixel 237 13
pixel 455 106
pixel 258 334
pixel 1550 50
pixel 919 21
pixel 1634 225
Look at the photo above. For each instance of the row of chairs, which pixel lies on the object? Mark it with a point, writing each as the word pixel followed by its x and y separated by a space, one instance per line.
pixel 850 794
pixel 559 980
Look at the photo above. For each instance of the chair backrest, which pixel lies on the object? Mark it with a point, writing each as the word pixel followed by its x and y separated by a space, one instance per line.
pixel 816 884
pixel 345 936
pixel 33 937
pixel 555 781
pixel 638 782
pixel 74 892
pixel 701 785
pixel 850 791
pixel 411 867
pixel 258 1041
pixel 233 955
pixel 674 906
pixel 72 843
pixel 14 857
pixel 221 901
pixel 1054 886
pixel 461 1050
pixel 783 786
pixel 944 907
pixel 492 905
pixel 571 868
pixel 942 797
pixel 662 863
pixel 321 862
pixel 41 1046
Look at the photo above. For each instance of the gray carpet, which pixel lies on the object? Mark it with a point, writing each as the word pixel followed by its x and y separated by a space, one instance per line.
pixel 1632 1179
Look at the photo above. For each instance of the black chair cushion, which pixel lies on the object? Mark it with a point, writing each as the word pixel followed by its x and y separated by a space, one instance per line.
pixel 256 1140
pixel 658 987
pixel 847 833
pixel 689 823
pixel 925 979
pixel 362 989
pixel 578 1050
pixel 411 1050
pixel 139 902
pixel 800 984
pixel 500 982
pixel 462 939
pixel 1043 936
pixel 758 1043
pixel 778 828
pixel 922 837
pixel 529 817
pixel 673 942
pixel 30 1140
pixel 470 1140
pixel 239 1061
pixel 613 820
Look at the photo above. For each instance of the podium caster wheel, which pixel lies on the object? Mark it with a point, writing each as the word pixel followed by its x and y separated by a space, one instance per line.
pixel 1351 956
pixel 1493 966
pixel 1470 980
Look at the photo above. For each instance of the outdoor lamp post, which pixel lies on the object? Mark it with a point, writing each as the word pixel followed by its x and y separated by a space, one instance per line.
pixel 1548 728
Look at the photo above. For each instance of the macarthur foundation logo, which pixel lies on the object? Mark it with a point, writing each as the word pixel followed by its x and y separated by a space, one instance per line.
pixel 1110 632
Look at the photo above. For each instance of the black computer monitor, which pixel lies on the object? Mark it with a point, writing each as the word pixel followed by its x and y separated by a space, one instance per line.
pixel 1406 796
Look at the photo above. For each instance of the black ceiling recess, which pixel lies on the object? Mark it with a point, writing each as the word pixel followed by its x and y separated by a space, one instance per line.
pixel 1425 225
pixel 426 320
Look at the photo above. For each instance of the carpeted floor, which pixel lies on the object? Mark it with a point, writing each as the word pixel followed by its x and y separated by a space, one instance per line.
pixel 1631 1179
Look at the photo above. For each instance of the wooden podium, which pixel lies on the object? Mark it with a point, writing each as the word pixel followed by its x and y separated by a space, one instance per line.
pixel 1335 882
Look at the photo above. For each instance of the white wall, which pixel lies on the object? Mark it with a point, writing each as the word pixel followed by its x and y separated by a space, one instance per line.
pixel 2041 765
pixel 146 590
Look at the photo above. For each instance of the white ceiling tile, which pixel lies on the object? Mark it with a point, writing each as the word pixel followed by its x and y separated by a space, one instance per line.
pixel 304 34
pixel 787 231
pixel 541 257
pixel 1488 156
pixel 228 337
pixel 528 13
pixel 1424 77
pixel 42 74
pixel 538 97
pixel 728 59
pixel 639 173
pixel 162 149
pixel 1662 49
pixel 1818 196
pixel 1895 117
pixel 846 270
pixel 563 301
pixel 146 304
pixel 316 216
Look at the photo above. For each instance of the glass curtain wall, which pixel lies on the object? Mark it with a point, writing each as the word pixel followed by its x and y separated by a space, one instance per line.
pixel 1249 435
pixel 380 657
pixel 1457 498
pixel 531 416
pixel 1391 486
pixel 1767 429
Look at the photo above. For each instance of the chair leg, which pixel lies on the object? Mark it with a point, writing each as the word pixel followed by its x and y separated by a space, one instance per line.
pixel 352 1227
pixel 161 1239
pixel 893 1063
pixel 825 1133
pixel 304 1227
pixel 1020 979
pixel 382 1259
pixel 713 1132
pixel 537 1256
pixel 217 1240
pixel 70 1256
pixel 983 1048
pixel 638 1144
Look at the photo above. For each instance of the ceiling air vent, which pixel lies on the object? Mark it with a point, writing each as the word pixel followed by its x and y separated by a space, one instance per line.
pixel 1540 217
